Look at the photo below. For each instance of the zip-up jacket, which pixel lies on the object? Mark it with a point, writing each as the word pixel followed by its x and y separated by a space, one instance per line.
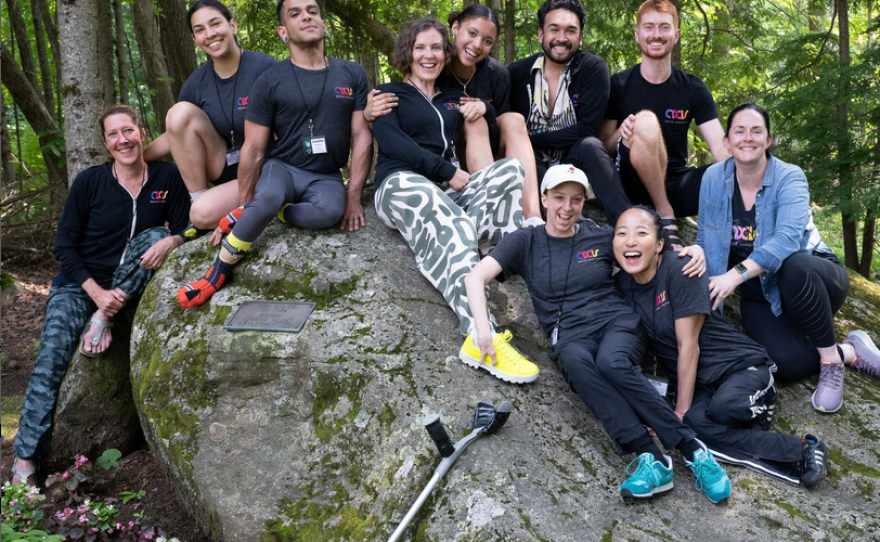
pixel 589 90
pixel 100 218
pixel 419 137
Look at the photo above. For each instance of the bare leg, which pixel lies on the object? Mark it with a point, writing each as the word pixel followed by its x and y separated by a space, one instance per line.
pixel 515 144
pixel 648 157
pixel 213 205
pixel 478 150
pixel 197 148
pixel 23 466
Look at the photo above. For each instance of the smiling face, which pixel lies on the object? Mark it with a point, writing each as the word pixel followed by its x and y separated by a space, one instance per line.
pixel 124 139
pixel 564 204
pixel 636 244
pixel 747 139
pixel 214 35
pixel 303 24
pixel 656 34
pixel 474 39
pixel 561 35
pixel 428 59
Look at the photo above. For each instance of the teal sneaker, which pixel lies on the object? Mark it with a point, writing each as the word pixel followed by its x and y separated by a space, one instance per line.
pixel 649 477
pixel 711 478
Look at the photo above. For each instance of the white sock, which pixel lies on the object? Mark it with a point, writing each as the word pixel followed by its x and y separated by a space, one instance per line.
pixel 197 193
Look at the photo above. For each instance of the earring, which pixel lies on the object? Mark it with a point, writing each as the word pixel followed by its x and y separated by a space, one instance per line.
pixel 284 39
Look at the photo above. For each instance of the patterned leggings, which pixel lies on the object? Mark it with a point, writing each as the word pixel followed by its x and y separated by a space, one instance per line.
pixel 445 229
pixel 68 309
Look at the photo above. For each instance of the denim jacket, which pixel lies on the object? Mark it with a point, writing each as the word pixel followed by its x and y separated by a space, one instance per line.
pixel 782 214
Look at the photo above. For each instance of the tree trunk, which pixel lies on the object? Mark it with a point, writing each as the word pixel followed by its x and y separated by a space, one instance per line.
pixel 177 41
pixel 52 33
pixel 28 99
pixel 850 227
pixel 108 73
pixel 20 30
pixel 509 31
pixel 363 22
pixel 83 89
pixel 498 48
pixel 7 169
pixel 868 237
pixel 42 56
pixel 152 58
pixel 370 61
pixel 121 66
pixel 676 50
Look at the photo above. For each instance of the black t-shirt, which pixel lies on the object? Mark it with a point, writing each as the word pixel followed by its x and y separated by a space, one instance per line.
pixel 671 295
pixel 490 83
pixel 745 228
pixel 675 101
pixel 572 271
pixel 225 101
pixel 286 97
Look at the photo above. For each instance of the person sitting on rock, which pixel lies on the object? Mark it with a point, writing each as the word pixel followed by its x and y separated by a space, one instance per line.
pixel 723 380
pixel 205 128
pixel 110 240
pixel 444 213
pixel 314 104
pixel 595 338
pixel 760 241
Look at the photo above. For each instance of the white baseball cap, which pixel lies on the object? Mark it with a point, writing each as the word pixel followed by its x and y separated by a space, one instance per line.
pixel 564 173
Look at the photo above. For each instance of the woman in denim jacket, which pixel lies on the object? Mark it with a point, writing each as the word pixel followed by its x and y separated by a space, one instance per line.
pixel 757 230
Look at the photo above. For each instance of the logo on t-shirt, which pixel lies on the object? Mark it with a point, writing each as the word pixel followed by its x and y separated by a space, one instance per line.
pixel 242 101
pixel 452 106
pixel 574 99
pixel 587 254
pixel 344 92
pixel 746 233
pixel 158 196
pixel 677 114
pixel 661 300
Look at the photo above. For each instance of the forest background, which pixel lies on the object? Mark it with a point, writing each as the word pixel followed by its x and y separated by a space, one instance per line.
pixel 813 64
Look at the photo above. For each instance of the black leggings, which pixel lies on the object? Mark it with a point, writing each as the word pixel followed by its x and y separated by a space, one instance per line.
pixel 813 288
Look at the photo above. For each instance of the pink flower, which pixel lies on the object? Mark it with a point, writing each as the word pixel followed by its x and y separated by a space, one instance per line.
pixel 65 475
pixel 83 518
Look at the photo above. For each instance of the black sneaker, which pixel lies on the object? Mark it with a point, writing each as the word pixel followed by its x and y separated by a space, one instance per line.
pixel 815 462
pixel 764 420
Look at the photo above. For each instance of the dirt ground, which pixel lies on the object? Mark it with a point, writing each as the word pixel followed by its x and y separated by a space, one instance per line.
pixel 21 320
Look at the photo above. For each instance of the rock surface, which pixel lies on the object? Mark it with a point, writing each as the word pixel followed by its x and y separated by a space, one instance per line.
pixel 318 436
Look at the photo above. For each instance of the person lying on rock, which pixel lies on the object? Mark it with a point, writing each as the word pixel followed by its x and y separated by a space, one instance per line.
pixel 595 338
pixel 110 240
pixel 313 104
pixel 444 212
pixel 723 380
pixel 760 241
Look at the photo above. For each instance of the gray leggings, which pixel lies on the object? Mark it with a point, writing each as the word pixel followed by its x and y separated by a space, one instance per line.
pixel 68 309
pixel 445 229
pixel 317 200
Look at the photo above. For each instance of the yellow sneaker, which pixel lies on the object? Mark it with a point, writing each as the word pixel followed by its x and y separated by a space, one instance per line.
pixel 512 366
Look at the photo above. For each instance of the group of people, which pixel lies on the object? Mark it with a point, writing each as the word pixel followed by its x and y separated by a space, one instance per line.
pixel 473 157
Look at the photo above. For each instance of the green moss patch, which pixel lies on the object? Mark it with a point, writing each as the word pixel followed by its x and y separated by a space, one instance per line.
pixel 316 520
pixel 10 412
pixel 327 390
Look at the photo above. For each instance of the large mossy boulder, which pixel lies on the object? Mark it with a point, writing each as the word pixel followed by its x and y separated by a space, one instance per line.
pixel 317 436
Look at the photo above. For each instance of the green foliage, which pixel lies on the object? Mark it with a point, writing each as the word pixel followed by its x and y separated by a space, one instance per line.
pixel 109 459
pixel 128 496
pixel 19 507
pixel 9 534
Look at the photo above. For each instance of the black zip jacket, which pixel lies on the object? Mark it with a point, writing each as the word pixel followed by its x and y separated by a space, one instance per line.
pixel 96 225
pixel 589 90
pixel 417 136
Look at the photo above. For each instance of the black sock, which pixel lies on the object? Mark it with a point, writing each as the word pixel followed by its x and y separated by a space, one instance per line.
pixel 840 351
pixel 645 444
pixel 688 448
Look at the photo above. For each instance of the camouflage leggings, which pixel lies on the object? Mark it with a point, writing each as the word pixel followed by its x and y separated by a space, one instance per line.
pixel 445 229
pixel 68 309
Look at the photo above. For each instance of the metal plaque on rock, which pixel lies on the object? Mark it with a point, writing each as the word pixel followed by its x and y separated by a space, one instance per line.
pixel 252 315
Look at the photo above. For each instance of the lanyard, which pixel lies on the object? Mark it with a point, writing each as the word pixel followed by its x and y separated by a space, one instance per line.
pixel 557 299
pixel 310 111
pixel 231 120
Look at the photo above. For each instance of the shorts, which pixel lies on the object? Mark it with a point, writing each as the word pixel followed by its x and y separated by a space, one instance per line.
pixel 682 184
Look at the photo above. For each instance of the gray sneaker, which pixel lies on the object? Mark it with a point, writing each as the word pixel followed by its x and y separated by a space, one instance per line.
pixel 867 355
pixel 828 396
